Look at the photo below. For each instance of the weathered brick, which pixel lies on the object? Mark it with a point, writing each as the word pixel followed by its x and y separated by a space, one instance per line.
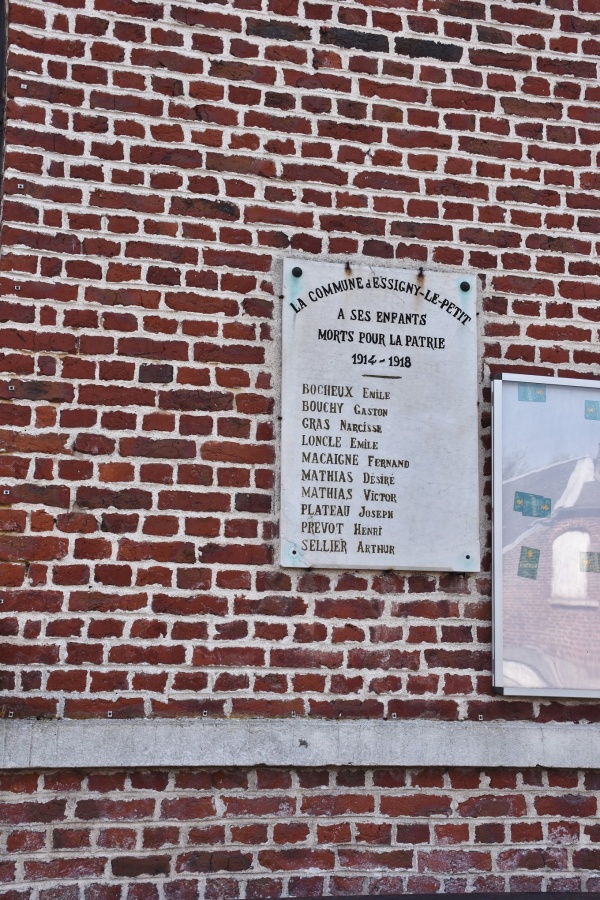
pixel 206 141
pixel 356 40
pixel 421 48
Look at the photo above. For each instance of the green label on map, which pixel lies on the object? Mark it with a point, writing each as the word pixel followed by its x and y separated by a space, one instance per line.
pixel 528 562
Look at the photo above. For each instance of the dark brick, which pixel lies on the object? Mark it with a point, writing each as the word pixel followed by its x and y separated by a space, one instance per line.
pixel 417 48
pixel 355 40
pixel 201 208
pixel 51 392
pixel 195 400
pixel 214 861
pixel 156 374
pixel 277 31
pixel 103 498
pixel 132 866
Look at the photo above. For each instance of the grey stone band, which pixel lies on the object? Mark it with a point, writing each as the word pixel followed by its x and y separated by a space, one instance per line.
pixel 132 743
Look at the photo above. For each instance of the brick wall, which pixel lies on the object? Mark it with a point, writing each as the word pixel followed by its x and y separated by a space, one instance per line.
pixel 224 834
pixel 161 159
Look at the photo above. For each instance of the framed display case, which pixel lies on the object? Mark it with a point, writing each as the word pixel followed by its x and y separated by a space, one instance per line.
pixel 546 536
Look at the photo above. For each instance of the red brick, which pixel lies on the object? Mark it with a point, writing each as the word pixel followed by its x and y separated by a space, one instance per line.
pixel 455 861
pixel 532 858
pixel 251 141
pixel 566 806
pixel 492 807
pixel 416 805
pixel 188 808
pixel 293 859
pixel 376 859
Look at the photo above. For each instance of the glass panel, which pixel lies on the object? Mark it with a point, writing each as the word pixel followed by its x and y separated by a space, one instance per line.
pixel 547 536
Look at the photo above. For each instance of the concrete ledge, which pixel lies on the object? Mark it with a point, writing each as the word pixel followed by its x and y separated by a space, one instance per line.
pixel 68 743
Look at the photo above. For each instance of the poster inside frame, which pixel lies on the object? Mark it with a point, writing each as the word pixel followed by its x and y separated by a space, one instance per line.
pixel 546 536
pixel 379 452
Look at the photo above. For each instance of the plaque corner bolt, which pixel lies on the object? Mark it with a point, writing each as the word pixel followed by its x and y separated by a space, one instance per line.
pixel 465 286
pixel 297 272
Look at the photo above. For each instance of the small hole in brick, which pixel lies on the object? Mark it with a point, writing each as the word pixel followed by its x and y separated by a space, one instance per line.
pixel 10 715
pixel 109 714
pixel 204 714
pixel 480 718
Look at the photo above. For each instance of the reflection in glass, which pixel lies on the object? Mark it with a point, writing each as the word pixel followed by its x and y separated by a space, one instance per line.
pixel 569 579
pixel 547 563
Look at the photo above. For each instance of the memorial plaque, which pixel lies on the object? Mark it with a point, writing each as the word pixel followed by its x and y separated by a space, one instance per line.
pixel 379 419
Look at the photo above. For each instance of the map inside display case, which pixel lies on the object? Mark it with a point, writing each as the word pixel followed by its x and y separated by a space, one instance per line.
pixel 546 536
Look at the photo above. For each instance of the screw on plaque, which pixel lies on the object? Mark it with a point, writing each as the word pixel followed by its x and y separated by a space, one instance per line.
pixel 296 271
pixel 465 286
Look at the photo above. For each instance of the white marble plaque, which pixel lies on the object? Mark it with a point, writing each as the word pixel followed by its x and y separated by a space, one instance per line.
pixel 379 419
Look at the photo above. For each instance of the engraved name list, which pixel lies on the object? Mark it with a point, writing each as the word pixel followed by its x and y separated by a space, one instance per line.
pixel 379 414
